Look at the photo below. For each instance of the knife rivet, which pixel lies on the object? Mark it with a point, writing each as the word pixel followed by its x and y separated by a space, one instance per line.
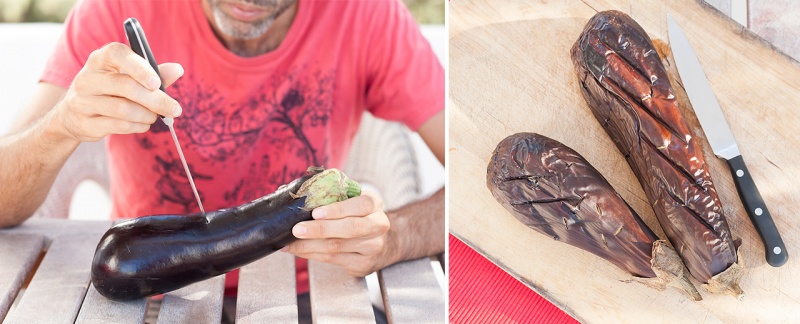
pixel 776 250
pixel 739 173
pixel 759 211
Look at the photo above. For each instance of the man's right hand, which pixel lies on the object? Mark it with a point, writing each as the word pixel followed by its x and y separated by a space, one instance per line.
pixel 116 92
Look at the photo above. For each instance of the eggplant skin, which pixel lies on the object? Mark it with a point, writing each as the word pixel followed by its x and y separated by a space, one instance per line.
pixel 629 92
pixel 158 254
pixel 552 189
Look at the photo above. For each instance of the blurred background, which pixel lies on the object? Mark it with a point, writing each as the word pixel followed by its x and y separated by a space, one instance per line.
pixel 426 11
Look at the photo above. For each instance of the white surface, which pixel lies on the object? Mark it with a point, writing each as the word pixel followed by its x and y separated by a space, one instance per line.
pixel 90 202
pixel 24 50
pixel 739 11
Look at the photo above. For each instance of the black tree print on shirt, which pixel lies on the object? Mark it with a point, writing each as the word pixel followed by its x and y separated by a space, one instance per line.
pixel 288 115
pixel 173 181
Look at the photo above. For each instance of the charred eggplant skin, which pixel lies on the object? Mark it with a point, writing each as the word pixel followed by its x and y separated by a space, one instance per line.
pixel 552 189
pixel 628 90
pixel 157 254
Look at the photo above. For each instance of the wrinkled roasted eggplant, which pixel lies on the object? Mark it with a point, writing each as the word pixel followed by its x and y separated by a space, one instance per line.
pixel 555 191
pixel 157 254
pixel 629 92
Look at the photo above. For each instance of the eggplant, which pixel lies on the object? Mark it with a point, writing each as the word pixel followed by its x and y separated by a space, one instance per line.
pixel 157 254
pixel 553 190
pixel 629 92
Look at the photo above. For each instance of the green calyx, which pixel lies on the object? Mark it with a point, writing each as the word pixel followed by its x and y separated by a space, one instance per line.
pixel 327 187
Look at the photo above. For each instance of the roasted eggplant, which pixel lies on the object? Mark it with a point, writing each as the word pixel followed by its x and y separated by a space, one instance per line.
pixel 157 254
pixel 552 189
pixel 628 90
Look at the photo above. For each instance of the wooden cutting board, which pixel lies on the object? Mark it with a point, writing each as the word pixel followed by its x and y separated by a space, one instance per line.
pixel 510 72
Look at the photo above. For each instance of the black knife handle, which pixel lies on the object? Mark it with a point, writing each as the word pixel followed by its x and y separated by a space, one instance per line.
pixel 139 45
pixel 758 212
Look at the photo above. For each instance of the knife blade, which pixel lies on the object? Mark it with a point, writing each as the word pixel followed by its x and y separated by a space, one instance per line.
pixel 719 135
pixel 138 43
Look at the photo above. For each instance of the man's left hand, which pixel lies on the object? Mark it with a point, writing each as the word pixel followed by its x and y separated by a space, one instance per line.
pixel 350 233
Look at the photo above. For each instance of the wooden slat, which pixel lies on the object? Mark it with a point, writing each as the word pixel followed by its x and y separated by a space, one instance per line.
pixel 98 309
pixel 57 289
pixel 197 303
pixel 268 291
pixel 18 256
pixel 411 293
pixel 337 297
pixel 52 228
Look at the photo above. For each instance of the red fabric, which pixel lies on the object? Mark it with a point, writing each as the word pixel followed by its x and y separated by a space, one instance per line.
pixel 481 292
pixel 250 125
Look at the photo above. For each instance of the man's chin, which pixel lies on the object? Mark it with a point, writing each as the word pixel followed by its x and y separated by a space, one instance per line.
pixel 242 30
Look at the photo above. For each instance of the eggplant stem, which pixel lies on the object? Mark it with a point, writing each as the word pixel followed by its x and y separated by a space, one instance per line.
pixel 353 188
pixel 327 187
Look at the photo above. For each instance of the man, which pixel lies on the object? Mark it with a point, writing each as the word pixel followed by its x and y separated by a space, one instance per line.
pixel 260 89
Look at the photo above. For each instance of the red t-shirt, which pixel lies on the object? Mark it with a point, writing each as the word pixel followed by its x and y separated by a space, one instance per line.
pixel 250 125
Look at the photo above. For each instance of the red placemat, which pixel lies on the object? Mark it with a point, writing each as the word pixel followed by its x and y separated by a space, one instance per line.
pixel 481 292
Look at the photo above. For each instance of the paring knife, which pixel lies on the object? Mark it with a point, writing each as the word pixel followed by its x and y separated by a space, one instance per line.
pixel 138 42
pixel 722 142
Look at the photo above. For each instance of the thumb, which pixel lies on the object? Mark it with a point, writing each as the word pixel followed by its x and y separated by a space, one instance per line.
pixel 170 72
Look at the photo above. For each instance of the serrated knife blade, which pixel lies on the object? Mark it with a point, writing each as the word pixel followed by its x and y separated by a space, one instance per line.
pixel 719 135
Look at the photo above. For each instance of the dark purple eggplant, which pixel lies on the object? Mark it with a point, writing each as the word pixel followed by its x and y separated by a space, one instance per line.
pixel 552 189
pixel 628 90
pixel 158 254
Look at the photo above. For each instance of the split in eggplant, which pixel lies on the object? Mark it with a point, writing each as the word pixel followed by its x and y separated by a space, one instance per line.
pixel 552 189
pixel 629 92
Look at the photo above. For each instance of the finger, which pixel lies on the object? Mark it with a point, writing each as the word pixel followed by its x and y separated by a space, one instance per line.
pixel 122 85
pixel 124 109
pixel 118 126
pixel 350 227
pixel 118 57
pixel 356 206
pixel 361 246
pixel 170 72
pixel 98 127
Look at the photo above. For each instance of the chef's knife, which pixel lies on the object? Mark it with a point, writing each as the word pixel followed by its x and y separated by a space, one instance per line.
pixel 138 42
pixel 722 142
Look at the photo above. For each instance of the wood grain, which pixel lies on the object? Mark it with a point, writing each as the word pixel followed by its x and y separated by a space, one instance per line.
pixel 337 297
pixel 200 302
pixel 268 291
pixel 20 252
pixel 97 309
pixel 411 293
pixel 510 72
pixel 57 289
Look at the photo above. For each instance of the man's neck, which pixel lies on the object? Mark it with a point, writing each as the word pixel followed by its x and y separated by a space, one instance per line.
pixel 265 43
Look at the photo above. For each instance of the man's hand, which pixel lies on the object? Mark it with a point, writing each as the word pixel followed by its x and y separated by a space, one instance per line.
pixel 116 92
pixel 350 233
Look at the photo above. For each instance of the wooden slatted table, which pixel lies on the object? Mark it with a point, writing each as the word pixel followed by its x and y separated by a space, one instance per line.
pixel 51 259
